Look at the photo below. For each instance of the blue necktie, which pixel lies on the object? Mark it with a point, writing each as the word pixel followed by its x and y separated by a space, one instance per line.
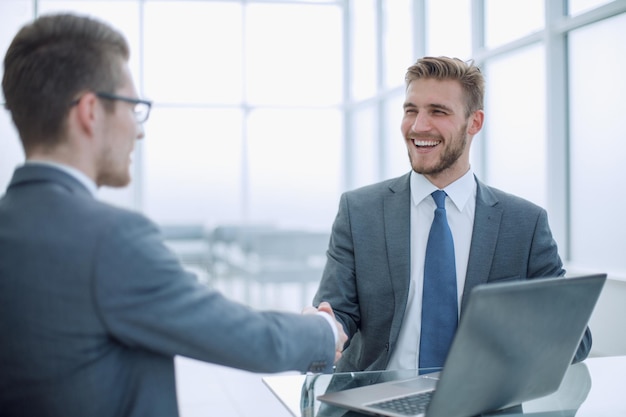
pixel 439 300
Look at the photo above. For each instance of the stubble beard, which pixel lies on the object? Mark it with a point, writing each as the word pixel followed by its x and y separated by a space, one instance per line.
pixel 450 155
pixel 113 173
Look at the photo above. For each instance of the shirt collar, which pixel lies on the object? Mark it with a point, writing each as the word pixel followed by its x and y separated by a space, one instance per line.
pixel 89 184
pixel 459 191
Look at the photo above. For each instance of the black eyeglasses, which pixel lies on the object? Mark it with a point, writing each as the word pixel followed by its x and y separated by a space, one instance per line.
pixel 141 107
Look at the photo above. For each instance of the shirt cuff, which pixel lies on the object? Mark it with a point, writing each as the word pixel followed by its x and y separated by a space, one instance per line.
pixel 331 322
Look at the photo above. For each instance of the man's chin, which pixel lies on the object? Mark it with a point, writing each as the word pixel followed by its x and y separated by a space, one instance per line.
pixel 420 169
pixel 115 182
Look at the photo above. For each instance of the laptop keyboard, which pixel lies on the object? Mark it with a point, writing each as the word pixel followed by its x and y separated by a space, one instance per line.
pixel 408 406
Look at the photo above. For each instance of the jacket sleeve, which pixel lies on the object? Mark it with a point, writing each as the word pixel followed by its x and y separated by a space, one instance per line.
pixel 147 300
pixel 542 264
pixel 338 283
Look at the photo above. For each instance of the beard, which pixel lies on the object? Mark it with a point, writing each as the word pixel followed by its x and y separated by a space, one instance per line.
pixel 117 179
pixel 450 155
pixel 114 171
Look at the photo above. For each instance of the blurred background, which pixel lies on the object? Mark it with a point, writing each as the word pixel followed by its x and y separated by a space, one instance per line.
pixel 265 111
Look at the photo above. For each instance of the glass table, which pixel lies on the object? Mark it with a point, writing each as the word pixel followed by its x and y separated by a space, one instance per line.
pixel 593 388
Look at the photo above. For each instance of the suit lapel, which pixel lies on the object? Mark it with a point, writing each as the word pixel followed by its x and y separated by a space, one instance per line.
pixel 396 216
pixel 484 238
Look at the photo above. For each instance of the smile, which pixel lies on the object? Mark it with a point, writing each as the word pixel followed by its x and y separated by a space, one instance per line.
pixel 426 143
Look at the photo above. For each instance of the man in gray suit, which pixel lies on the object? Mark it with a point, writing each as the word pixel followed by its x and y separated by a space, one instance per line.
pixel 93 306
pixel 375 269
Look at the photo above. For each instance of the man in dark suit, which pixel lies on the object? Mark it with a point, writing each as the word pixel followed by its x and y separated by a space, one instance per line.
pixel 93 306
pixel 374 276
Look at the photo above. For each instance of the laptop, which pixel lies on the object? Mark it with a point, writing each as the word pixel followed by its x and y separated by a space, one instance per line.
pixel 514 343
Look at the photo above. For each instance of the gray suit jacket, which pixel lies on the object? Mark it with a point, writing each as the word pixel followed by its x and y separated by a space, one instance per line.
pixel 367 274
pixel 94 307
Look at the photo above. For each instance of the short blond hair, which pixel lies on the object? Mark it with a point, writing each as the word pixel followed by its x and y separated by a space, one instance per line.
pixel 445 68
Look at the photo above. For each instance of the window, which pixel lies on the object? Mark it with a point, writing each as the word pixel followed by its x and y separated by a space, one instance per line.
pixel 267 110
pixel 597 149
pixel 515 134
pixel 506 21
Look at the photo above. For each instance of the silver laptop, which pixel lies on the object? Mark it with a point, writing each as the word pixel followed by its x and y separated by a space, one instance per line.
pixel 514 343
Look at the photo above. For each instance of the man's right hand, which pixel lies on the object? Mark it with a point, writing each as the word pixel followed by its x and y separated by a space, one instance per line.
pixel 342 336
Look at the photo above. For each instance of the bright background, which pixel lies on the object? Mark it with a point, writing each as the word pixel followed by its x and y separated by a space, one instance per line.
pixel 266 110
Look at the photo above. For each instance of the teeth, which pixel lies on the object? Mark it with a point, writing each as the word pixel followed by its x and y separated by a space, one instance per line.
pixel 425 143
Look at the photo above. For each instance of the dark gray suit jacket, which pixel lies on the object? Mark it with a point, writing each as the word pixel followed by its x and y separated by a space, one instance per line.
pixel 367 274
pixel 94 307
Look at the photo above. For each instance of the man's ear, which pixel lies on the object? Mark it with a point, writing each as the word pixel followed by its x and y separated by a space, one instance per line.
pixel 85 112
pixel 476 122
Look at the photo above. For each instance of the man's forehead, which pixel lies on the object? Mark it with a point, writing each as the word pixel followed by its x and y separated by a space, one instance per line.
pixel 434 92
pixel 127 83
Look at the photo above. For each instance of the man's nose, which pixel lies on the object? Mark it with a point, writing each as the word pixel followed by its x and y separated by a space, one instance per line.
pixel 421 123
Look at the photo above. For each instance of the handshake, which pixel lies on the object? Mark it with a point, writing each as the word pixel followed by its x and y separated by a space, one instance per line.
pixel 341 337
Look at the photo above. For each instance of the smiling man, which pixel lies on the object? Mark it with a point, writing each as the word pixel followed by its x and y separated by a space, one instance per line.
pixel 398 296
pixel 438 128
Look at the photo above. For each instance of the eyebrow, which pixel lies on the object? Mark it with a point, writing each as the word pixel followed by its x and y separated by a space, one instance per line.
pixel 430 106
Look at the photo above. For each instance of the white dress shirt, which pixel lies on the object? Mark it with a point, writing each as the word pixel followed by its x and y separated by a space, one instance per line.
pixel 460 208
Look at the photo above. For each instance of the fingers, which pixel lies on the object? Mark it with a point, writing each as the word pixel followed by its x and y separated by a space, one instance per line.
pixel 325 307
pixel 309 310
pixel 342 337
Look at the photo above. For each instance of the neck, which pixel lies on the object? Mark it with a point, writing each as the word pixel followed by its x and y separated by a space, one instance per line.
pixel 65 156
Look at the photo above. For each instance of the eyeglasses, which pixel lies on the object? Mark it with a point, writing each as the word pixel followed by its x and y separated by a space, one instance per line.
pixel 141 107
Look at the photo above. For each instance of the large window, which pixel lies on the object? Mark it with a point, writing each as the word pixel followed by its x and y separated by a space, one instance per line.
pixel 247 121
pixel 265 111
pixel 515 158
pixel 597 56
pixel 553 133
